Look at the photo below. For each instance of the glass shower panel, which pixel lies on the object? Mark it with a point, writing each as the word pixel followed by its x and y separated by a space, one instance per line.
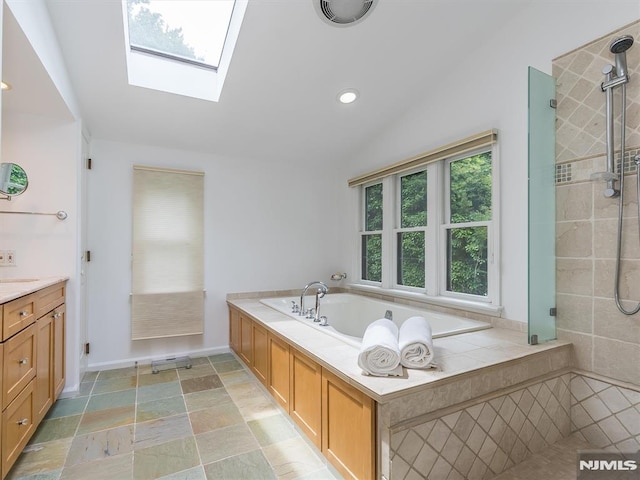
pixel 542 214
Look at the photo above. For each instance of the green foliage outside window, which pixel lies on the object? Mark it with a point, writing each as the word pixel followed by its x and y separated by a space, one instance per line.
pixel 466 246
pixel 372 244
pixel 470 201
pixel 411 245
pixel 149 30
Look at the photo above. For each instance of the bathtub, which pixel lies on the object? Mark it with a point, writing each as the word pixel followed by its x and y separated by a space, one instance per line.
pixel 348 316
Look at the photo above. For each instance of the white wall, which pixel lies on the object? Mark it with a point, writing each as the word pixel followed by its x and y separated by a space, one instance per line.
pixel 267 226
pixel 44 245
pixel 489 90
pixel 48 147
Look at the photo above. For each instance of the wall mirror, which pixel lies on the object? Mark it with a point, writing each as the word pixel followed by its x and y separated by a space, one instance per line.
pixel 13 179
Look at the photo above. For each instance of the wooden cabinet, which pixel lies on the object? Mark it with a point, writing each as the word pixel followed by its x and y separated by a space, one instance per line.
pixel 17 427
pixel 337 417
pixel 43 394
pixel 246 339
pixel 18 363
pixel 58 316
pixel 278 377
pixel 348 428
pixel 234 330
pixel 33 365
pixel 306 390
pixel 260 353
pixel 18 314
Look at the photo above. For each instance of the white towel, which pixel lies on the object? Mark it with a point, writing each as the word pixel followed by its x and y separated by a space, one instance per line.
pixel 415 343
pixel 379 354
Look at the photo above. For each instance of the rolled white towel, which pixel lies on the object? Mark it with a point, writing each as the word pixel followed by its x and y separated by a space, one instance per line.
pixel 415 343
pixel 379 354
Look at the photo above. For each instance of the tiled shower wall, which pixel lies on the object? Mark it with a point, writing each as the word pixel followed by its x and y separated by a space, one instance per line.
pixel 486 438
pixel 605 341
pixel 606 415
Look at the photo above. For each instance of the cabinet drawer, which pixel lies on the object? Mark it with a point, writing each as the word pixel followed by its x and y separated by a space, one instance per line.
pixel 17 427
pixel 49 298
pixel 18 314
pixel 19 363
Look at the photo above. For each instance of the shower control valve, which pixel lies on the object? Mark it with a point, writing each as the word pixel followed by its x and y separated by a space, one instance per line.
pixel 637 159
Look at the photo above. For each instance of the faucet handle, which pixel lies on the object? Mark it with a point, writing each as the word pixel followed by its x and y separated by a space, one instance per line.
pixel 310 312
pixel 295 308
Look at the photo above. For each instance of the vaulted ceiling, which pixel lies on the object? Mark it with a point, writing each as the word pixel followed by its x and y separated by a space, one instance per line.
pixel 279 99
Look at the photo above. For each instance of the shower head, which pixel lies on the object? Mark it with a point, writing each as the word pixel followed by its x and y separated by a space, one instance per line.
pixel 621 44
pixel 619 47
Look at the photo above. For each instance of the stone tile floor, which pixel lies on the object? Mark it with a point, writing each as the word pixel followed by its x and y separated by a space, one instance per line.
pixel 212 421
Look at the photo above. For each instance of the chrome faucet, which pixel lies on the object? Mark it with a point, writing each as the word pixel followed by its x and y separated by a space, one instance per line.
pixel 321 292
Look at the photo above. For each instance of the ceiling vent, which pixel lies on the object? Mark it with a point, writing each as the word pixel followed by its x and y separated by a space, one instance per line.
pixel 342 13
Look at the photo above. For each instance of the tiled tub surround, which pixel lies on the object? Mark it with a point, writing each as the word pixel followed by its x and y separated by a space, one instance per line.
pixel 605 341
pixel 471 366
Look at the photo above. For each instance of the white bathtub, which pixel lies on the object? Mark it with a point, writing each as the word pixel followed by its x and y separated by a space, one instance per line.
pixel 348 315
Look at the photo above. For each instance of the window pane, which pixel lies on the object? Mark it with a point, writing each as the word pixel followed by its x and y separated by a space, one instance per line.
pixel 470 189
pixel 189 29
pixel 413 200
pixel 373 207
pixel 372 257
pixel 467 260
pixel 411 248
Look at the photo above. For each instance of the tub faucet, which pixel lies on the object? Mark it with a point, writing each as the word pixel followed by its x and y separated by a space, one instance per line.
pixel 321 292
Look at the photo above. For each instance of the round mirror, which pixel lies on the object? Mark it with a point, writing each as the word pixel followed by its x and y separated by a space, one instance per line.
pixel 13 179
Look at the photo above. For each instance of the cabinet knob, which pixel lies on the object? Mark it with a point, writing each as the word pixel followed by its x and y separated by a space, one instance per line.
pixel 56 315
pixel 24 421
pixel 23 361
pixel 23 313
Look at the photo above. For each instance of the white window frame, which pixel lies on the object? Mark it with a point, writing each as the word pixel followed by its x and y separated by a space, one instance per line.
pixel 397 219
pixel 363 232
pixel 438 206
pixel 446 225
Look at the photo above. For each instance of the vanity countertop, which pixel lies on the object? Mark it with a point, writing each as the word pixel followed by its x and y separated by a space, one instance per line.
pixel 498 350
pixel 12 288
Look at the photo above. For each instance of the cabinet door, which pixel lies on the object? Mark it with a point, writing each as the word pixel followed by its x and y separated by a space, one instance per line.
pixel 43 391
pixel 59 332
pixel 17 427
pixel 260 353
pixel 19 363
pixel 348 428
pixel 306 390
pixel 234 329
pixel 278 377
pixel 246 339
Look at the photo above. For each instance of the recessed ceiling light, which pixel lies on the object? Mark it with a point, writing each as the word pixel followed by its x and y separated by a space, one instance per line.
pixel 6 86
pixel 348 96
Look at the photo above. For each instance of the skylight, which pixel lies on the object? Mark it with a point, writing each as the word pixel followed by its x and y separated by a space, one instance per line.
pixel 182 47
pixel 187 30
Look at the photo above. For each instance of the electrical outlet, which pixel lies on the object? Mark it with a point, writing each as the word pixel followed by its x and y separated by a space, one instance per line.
pixel 3 258
pixel 10 258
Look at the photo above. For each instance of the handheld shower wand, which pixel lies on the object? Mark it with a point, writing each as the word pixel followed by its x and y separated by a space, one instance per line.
pixel 614 77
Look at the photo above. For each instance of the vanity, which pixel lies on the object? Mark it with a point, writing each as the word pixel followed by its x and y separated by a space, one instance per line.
pixel 32 355
pixel 427 422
